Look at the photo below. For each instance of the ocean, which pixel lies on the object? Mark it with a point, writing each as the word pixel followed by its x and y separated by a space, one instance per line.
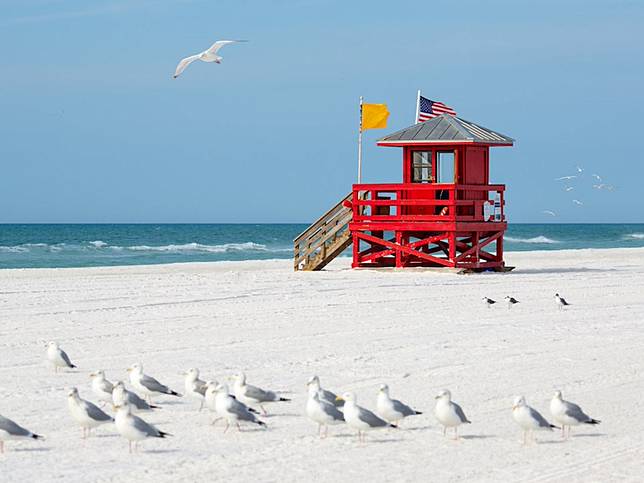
pixel 60 245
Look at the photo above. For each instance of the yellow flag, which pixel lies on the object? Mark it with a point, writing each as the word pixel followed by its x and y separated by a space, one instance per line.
pixel 374 116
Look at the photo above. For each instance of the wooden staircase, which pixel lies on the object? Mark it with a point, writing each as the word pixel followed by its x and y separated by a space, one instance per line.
pixel 325 239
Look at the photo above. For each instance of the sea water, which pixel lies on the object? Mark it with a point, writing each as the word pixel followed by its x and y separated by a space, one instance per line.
pixel 58 245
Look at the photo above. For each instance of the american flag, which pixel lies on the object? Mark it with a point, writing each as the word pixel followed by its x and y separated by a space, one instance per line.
pixel 427 109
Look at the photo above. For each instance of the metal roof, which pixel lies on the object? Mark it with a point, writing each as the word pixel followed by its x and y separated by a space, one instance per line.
pixel 446 129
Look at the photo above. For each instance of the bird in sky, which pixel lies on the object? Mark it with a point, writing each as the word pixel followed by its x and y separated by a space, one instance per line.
pixel 580 170
pixel 597 177
pixel 209 55
pixel 563 178
pixel 577 202
pixel 549 212
pixel 569 188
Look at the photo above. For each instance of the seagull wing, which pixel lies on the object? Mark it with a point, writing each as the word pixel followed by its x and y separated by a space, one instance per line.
pixel 214 48
pixel 540 420
pixel 146 428
pixel 153 385
pixel 260 395
pixel 371 419
pixel 96 413
pixel 65 358
pixel 185 63
pixel 460 413
pixel 12 428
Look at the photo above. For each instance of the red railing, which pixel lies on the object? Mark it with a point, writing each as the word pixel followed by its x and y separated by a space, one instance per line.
pixel 411 202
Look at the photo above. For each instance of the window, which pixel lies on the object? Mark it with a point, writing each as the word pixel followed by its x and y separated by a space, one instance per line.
pixel 422 167
pixel 445 161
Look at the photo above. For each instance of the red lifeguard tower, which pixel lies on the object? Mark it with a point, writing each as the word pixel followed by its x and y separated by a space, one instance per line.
pixel 445 213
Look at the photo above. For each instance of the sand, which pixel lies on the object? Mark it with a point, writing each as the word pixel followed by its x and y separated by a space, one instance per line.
pixel 417 331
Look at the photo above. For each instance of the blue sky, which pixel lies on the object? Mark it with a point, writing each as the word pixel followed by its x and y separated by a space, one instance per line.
pixel 94 128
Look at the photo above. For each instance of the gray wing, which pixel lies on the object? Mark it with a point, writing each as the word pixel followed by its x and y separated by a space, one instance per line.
pixel 371 419
pixel 96 413
pixel 260 395
pixel 575 412
pixel 65 358
pixel 330 397
pixel 107 386
pixel 200 386
pixel 136 401
pixel 330 410
pixel 403 408
pixel 146 428
pixel 541 421
pixel 151 384
pixel 241 411
pixel 461 414
pixel 12 428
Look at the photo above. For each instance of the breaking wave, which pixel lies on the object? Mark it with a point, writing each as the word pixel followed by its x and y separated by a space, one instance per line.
pixel 536 239
pixel 198 247
pixel 634 236
pixel 172 248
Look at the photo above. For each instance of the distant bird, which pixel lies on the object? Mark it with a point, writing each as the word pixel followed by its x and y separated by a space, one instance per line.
pixel 569 188
pixel 133 428
pixel 58 357
pixel 209 55
pixel 254 395
pixel 232 410
pixel 195 387
pixel 529 419
pixel 148 385
pixel 568 414
pixel 548 212
pixel 321 411
pixel 360 418
pixel 121 396
pixel 488 302
pixel 325 395
pixel 511 301
pixel 603 186
pixel 86 414
pixel 597 177
pixel 101 387
pixel 392 410
pixel 577 202
pixel 563 178
pixel 580 170
pixel 12 431
pixel 448 413
pixel 561 302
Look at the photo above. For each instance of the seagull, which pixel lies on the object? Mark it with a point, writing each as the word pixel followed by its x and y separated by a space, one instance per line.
pixel 569 188
pixel 10 430
pixel 548 212
pixel 529 419
pixel 597 177
pixel 195 387
pixel 561 302
pixel 563 178
pixel 58 357
pixel 325 395
pixel 488 302
pixel 322 412
pixel 121 396
pixel 577 202
pixel 87 414
pixel 101 387
pixel 580 170
pixel 133 428
pixel 209 55
pixel 148 385
pixel 511 301
pixel 232 410
pixel 568 414
pixel 448 413
pixel 392 410
pixel 360 418
pixel 254 395
pixel 602 186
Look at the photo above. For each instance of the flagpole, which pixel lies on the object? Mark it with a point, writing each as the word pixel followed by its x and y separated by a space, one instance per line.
pixel 417 107
pixel 360 144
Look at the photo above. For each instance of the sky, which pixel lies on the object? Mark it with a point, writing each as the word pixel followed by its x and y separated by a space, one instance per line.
pixel 95 130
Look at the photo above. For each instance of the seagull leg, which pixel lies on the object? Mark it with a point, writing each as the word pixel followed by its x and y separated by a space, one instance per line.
pixel 129 443
pixel 444 430
pixel 263 410
pixel 1 446
pixel 524 438
pixel 238 428
pixel 319 430
pixel 326 430
pixel 456 433
pixel 201 405
pixel 227 426
pixel 215 420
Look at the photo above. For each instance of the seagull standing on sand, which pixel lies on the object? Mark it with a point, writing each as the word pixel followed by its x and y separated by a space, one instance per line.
pixel 561 302
pixel 58 357
pixel 324 395
pixel 511 301
pixel 133 428
pixel 568 414
pixel 232 410
pixel 148 385
pixel 529 419
pixel 488 302
pixel 12 431
pixel 448 413
pixel 101 387
pixel 121 396
pixel 195 387
pixel 392 410
pixel 322 412
pixel 86 414
pixel 254 395
pixel 360 418
pixel 209 55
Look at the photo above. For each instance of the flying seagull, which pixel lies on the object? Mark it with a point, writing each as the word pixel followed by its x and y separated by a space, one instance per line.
pixel 568 414
pixel 549 212
pixel 577 202
pixel 569 188
pixel 597 177
pixel 563 178
pixel 209 55
pixel 580 170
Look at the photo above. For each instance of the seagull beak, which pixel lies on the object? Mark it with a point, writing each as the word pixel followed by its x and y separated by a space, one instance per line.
pixel 339 399
pixel 93 374
pixel 514 407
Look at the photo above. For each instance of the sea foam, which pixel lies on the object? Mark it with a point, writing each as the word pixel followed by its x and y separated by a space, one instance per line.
pixel 536 239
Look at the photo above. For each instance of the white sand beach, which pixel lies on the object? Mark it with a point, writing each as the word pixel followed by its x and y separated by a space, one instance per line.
pixel 417 331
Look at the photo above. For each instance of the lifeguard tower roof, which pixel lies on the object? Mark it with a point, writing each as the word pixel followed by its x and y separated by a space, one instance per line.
pixel 446 129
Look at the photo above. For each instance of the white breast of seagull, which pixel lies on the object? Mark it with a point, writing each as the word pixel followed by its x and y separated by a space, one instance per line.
pixel 445 412
pixel 385 408
pixel 80 414
pixel 352 416
pixel 523 416
pixel 124 423
pixel 315 409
